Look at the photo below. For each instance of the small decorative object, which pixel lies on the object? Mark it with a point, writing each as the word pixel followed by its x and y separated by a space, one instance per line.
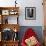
pixel 30 13
pixel 13 12
pixel 5 12
pixel 15 3
pixel 15 30
pixel 6 21
pixel 15 36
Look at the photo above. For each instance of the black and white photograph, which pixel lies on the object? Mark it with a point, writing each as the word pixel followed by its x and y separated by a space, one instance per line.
pixel 30 13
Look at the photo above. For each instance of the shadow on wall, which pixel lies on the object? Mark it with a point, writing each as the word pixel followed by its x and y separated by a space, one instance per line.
pixel 37 29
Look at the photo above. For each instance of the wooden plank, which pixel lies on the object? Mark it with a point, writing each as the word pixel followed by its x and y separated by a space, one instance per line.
pixel 10 26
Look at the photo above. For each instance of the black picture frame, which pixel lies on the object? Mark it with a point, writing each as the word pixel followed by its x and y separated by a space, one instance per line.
pixel 30 13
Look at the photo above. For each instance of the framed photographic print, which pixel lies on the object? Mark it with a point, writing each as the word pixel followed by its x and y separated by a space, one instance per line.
pixel 30 13
pixel 5 12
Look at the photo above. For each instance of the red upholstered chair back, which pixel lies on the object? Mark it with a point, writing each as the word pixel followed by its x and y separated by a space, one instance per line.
pixel 29 33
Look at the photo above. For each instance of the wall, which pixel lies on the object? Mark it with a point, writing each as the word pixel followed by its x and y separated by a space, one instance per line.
pixel 39 13
pixel 27 3
pixel 35 23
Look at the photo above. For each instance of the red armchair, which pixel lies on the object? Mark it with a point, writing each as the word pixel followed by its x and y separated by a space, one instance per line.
pixel 28 34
